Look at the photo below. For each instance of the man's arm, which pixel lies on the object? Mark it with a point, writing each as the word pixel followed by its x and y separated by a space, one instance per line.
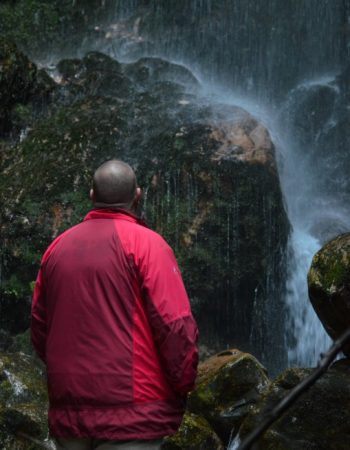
pixel 38 317
pixel 168 308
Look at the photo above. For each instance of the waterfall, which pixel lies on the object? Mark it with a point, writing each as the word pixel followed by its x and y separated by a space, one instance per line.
pixel 316 186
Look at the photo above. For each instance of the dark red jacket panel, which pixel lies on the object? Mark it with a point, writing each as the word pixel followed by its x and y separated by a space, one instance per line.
pixel 112 321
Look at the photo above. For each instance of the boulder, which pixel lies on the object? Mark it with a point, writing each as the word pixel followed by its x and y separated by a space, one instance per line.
pixel 23 402
pixel 227 386
pixel 210 185
pixel 329 286
pixel 319 420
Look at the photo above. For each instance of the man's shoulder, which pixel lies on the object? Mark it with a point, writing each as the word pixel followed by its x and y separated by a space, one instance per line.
pixel 57 240
pixel 141 235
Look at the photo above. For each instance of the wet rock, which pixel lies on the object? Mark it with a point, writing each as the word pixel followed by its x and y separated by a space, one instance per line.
pixel 319 420
pixel 310 108
pixel 153 70
pixel 194 433
pixel 96 74
pixel 227 386
pixel 210 184
pixel 23 402
pixel 333 161
pixel 329 286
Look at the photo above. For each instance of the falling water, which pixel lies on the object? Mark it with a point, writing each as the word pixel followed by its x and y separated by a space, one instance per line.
pixel 316 188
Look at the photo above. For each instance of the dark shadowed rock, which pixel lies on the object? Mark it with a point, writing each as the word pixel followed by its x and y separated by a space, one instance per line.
pixel 153 70
pixel 319 420
pixel 329 286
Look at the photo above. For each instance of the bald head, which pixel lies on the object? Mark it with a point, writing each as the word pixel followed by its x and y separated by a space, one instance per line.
pixel 114 184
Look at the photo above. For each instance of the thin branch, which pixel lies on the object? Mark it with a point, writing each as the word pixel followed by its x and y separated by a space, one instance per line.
pixel 34 440
pixel 289 399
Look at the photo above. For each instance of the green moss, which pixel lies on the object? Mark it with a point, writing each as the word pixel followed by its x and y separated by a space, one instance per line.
pixel 330 266
pixel 30 23
pixel 41 27
pixel 195 433
pixel 336 273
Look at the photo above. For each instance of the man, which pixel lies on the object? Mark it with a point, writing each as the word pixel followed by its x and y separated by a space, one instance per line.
pixel 112 322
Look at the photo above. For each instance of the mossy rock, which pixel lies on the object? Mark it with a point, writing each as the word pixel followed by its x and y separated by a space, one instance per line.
pixel 96 74
pixel 194 433
pixel 23 401
pixel 318 420
pixel 329 286
pixel 227 386
pixel 152 70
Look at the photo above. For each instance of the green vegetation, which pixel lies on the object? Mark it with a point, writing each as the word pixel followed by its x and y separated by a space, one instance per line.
pixel 31 23
pixel 41 27
pixel 330 266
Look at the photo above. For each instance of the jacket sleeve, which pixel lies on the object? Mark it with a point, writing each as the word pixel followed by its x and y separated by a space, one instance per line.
pixel 168 309
pixel 38 317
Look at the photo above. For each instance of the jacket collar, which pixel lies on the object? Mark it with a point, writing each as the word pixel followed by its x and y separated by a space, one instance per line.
pixel 114 213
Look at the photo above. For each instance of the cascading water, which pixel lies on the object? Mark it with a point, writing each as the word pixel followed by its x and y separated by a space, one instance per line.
pixel 316 188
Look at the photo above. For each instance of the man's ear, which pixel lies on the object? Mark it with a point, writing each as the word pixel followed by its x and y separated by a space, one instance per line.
pixel 138 194
pixel 137 198
pixel 92 195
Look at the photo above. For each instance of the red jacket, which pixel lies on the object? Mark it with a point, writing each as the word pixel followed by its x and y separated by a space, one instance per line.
pixel 112 321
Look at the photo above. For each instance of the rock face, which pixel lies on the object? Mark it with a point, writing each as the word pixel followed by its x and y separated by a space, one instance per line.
pixel 210 185
pixel 23 402
pixel 329 286
pixel 23 89
pixel 319 420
